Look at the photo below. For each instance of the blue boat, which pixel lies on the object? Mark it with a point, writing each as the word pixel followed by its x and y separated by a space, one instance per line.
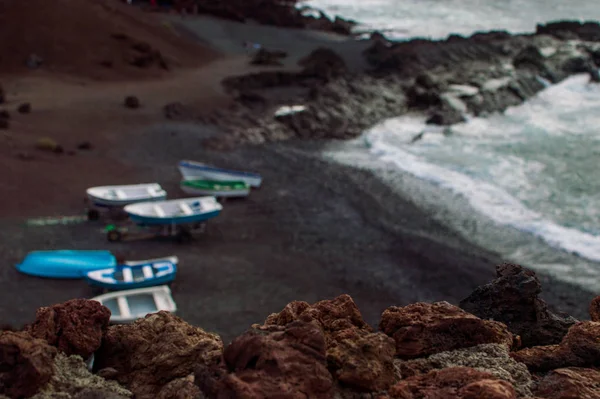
pixel 174 212
pixel 139 274
pixel 66 263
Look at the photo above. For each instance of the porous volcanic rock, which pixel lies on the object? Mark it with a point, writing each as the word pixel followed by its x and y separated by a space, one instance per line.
pixel 595 309
pixel 570 383
pixel 454 382
pixel 512 298
pixel 579 348
pixel 487 358
pixel 75 327
pixel 181 388
pixel 72 378
pixel 357 356
pixel 275 361
pixel 422 329
pixel 26 364
pixel 154 351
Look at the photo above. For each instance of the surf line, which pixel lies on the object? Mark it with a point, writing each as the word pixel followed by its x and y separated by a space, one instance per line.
pixel 56 220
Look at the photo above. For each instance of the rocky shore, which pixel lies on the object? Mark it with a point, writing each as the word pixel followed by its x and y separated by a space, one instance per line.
pixel 481 74
pixel 500 342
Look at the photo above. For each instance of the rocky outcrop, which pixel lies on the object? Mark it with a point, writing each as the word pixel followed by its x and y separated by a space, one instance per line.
pixel 357 356
pixel 422 329
pixel 512 298
pixel 26 364
pixel 570 383
pixel 274 361
pixel 75 327
pixel 155 350
pixel 454 382
pixel 595 309
pixel 488 358
pixel 579 348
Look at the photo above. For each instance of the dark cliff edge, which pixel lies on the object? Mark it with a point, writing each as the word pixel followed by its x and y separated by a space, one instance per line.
pixel 446 79
pixel 502 341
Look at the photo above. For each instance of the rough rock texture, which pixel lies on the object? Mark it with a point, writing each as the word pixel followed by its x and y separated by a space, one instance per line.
pixel 75 327
pixel 422 329
pixel 488 358
pixel 454 382
pixel 595 309
pixel 154 351
pixel 512 298
pixel 570 383
pixel 26 364
pixel 181 388
pixel 72 378
pixel 276 361
pixel 579 348
pixel 356 356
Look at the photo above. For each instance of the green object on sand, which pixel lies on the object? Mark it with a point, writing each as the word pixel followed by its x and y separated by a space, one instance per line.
pixel 218 188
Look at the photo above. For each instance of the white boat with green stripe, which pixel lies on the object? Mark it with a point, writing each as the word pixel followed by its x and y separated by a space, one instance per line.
pixel 215 188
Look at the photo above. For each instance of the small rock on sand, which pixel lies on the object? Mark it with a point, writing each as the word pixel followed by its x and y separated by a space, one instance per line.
pixel 132 102
pixel 48 144
pixel 2 95
pixel 24 108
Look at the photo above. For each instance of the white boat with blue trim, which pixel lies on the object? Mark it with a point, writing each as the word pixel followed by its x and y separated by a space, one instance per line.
pixel 192 170
pixel 129 305
pixel 176 211
pixel 135 274
pixel 118 196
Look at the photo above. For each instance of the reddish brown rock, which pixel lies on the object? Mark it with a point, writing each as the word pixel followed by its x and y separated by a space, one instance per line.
pixel 454 382
pixel 512 298
pixel 422 329
pixel 275 361
pixel 357 356
pixel 579 348
pixel 181 388
pixel 26 364
pixel 154 351
pixel 75 327
pixel 595 309
pixel 570 383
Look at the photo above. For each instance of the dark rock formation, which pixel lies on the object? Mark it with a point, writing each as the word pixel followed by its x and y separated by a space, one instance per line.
pixel 155 350
pixel 268 57
pixel 274 361
pixel 579 348
pixel 75 327
pixel 570 383
pixel 356 355
pixel 454 382
pixel 512 298
pixel 595 309
pixel 26 364
pixel 422 329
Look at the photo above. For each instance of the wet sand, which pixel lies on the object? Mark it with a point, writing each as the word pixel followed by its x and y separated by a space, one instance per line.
pixel 313 231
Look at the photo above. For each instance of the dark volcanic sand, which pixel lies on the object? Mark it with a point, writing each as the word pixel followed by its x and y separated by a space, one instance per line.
pixel 313 231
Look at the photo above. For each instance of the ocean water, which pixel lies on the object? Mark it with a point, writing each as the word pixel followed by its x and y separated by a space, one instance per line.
pixel 525 183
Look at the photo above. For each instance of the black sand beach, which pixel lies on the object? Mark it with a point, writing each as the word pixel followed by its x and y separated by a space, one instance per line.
pixel 313 231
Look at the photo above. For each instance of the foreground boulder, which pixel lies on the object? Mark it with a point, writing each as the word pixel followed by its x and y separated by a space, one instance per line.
pixel 454 382
pixel 275 361
pixel 487 358
pixel 579 348
pixel 512 298
pixel 75 327
pixel 26 364
pixel 155 350
pixel 357 356
pixel 570 383
pixel 422 329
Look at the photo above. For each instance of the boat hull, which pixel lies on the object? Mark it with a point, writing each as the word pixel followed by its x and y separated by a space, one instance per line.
pixel 106 203
pixel 198 171
pixel 215 193
pixel 129 286
pixel 65 264
pixel 154 221
pixel 163 270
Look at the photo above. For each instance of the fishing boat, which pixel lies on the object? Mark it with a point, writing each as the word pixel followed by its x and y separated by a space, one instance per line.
pixel 192 170
pixel 68 264
pixel 215 188
pixel 128 305
pixel 138 274
pixel 177 211
pixel 118 196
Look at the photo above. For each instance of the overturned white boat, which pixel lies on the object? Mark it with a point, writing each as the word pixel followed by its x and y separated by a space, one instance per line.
pixel 117 196
pixel 129 305
pixel 192 170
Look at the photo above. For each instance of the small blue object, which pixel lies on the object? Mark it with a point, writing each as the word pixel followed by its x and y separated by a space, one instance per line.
pixel 130 276
pixel 65 263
